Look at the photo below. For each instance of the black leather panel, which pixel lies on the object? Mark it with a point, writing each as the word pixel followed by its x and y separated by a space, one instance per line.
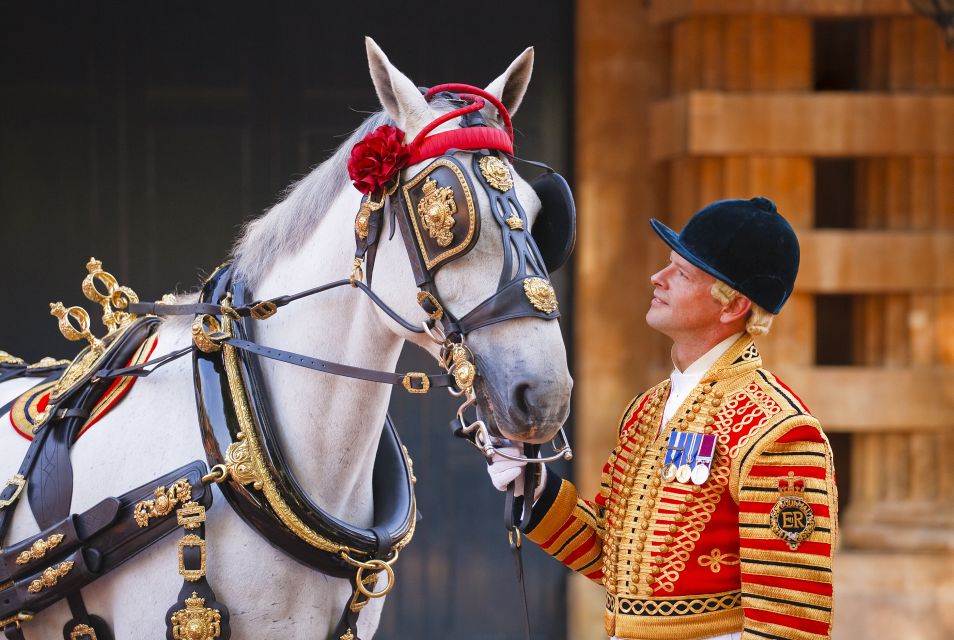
pixel 554 230
pixel 444 217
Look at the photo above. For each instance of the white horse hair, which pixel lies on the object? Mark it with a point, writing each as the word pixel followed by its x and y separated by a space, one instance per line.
pixel 329 425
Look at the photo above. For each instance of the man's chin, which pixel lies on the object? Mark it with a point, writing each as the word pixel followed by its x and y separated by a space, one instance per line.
pixel 653 319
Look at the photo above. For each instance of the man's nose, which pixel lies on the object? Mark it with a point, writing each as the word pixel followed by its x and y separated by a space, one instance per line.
pixel 657 279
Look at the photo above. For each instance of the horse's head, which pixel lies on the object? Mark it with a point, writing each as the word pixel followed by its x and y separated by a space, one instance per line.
pixel 464 218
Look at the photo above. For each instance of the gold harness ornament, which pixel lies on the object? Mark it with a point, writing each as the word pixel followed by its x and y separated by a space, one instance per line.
pixel 462 367
pixel 39 548
pixel 165 501
pixel 81 630
pixel 238 463
pixel 196 622
pixel 50 576
pixel 17 481
pixel 437 209
pixel 541 295
pixel 496 173
pixel 6 358
pixel 74 323
pixel 514 222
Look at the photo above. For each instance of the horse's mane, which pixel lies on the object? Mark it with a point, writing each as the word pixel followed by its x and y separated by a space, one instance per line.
pixel 284 227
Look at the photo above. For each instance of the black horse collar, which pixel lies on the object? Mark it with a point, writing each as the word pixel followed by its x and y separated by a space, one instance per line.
pixel 261 487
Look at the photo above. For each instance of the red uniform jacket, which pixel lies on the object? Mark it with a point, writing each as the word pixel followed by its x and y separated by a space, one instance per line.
pixel 749 550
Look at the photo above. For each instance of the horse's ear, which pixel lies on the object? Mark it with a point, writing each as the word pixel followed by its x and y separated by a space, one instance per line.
pixel 512 83
pixel 398 95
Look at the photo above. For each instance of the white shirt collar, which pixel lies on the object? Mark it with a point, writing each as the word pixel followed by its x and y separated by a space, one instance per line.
pixel 705 362
pixel 683 382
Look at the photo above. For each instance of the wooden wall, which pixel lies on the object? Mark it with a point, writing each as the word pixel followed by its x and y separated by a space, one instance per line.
pixel 842 112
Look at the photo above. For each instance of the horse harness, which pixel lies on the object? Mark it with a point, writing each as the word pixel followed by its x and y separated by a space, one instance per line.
pixel 440 222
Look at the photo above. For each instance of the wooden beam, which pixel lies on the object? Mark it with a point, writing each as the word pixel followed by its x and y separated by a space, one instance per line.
pixel 828 124
pixel 863 399
pixel 667 11
pixel 835 261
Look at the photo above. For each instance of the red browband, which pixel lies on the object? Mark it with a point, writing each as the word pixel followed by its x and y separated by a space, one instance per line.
pixel 424 146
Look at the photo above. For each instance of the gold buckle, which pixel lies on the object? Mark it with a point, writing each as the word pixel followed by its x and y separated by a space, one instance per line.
pixel 17 480
pixel 192 540
pixel 439 310
pixel 207 334
pixel 81 630
pixel 357 273
pixel 414 375
pixel 22 616
pixel 264 309
pixel 191 515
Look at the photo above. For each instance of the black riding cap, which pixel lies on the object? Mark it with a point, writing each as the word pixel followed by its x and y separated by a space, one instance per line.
pixel 745 243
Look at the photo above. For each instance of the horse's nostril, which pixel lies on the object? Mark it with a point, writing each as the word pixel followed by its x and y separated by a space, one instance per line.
pixel 521 393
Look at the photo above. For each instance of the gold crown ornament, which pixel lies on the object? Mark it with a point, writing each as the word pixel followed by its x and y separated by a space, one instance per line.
pixel 101 287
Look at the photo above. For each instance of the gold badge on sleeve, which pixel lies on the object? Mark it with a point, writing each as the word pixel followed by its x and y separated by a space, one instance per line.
pixel 792 518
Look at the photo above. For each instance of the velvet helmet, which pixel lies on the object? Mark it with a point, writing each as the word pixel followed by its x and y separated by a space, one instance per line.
pixel 745 243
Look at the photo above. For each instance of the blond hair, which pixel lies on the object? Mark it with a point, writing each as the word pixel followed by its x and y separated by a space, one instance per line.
pixel 759 321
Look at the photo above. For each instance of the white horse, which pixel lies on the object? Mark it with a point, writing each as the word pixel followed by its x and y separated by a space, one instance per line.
pixel 330 425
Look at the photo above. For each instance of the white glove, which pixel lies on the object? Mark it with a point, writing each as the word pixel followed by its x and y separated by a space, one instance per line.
pixel 503 471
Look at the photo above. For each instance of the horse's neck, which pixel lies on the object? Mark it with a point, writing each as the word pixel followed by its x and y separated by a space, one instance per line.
pixel 329 424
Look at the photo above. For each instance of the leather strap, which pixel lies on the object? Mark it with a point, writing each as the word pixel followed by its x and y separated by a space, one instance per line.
pixel 13 632
pixel 246 311
pixel 106 549
pixel 517 513
pixel 69 534
pixel 348 623
pixel 26 467
pixel 193 560
pixel 386 377
pixel 9 372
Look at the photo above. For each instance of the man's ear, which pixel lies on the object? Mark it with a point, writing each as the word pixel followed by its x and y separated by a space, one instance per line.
pixel 737 309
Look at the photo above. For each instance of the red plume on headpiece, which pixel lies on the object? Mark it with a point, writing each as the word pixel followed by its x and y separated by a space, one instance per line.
pixel 377 159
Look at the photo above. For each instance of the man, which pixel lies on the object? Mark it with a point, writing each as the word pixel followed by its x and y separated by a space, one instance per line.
pixel 716 516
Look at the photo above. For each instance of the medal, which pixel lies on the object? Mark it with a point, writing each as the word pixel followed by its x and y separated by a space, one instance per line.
pixel 691 446
pixel 703 459
pixel 700 474
pixel 674 450
pixel 684 473
pixel 669 472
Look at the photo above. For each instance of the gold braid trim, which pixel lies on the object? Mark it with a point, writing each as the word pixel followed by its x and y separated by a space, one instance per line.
pixel 750 454
pixel 673 606
pixel 676 627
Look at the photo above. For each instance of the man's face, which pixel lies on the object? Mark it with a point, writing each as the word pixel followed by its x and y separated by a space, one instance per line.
pixel 682 302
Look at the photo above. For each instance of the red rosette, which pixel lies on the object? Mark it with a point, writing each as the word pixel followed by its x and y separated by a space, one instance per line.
pixel 377 159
